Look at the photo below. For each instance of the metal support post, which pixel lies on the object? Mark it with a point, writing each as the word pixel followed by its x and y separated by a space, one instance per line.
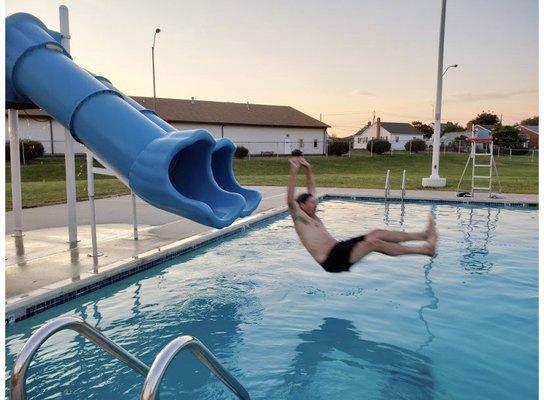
pixel 15 163
pixel 90 191
pixel 69 157
pixel 134 218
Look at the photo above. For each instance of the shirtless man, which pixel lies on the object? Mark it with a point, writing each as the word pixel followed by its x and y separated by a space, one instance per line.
pixel 339 256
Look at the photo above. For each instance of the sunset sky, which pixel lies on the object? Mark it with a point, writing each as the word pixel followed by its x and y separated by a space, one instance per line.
pixel 343 59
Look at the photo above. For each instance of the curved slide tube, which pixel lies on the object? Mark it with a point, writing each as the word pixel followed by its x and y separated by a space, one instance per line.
pixel 221 156
pixel 171 170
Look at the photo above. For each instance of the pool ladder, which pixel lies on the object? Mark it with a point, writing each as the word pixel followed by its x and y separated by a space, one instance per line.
pixel 153 375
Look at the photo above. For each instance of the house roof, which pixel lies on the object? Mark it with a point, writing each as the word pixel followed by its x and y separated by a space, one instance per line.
pixel 395 128
pixel 224 113
pixel 400 128
pixel 220 113
pixel 532 128
pixel 486 127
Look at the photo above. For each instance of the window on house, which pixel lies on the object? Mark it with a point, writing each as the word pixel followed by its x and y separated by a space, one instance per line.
pixel 315 143
pixel 359 139
pixel 397 139
pixel 301 143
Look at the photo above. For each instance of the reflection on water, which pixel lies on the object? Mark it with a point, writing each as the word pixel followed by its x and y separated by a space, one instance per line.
pixel 477 228
pixel 211 308
pixel 404 371
pixel 432 305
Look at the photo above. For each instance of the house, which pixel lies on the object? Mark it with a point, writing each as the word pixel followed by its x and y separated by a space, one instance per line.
pixel 447 138
pixel 262 129
pixel 397 133
pixel 530 133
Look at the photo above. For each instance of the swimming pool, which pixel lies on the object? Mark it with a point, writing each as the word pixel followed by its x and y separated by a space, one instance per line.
pixel 461 326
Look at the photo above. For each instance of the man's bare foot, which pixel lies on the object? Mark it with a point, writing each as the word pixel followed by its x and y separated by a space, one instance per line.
pixel 430 228
pixel 431 241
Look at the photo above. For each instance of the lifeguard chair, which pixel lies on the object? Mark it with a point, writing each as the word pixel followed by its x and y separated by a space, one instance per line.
pixel 483 163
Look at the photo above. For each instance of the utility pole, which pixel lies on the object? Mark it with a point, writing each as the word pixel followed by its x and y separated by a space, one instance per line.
pixel 435 180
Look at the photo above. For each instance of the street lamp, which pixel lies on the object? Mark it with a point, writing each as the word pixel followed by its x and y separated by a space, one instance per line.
pixel 451 66
pixel 157 30
pixel 435 180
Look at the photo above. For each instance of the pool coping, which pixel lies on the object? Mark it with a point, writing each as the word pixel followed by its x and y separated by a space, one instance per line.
pixel 29 304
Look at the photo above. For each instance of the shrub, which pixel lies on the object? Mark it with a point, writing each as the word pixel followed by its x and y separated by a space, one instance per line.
pixel 297 153
pixel 241 152
pixel 416 145
pixel 378 146
pixel 338 147
pixel 32 149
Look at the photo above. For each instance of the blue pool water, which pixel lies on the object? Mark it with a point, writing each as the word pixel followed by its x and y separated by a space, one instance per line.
pixel 461 326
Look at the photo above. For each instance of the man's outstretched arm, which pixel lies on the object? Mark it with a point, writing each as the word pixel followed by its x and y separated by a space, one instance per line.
pixel 310 182
pixel 292 182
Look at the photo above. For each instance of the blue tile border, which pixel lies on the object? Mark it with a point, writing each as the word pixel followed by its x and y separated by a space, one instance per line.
pixel 45 305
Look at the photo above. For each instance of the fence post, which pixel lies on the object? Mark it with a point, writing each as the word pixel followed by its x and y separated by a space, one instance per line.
pixel 349 148
pixel 371 147
pixel 510 153
pixel 459 150
pixel 410 147
pixel 532 155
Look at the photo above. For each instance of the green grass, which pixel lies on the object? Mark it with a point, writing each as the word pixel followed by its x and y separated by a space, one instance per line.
pixel 43 179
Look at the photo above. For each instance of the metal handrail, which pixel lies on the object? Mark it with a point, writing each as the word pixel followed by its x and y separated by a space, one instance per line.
pixel 161 363
pixel 18 373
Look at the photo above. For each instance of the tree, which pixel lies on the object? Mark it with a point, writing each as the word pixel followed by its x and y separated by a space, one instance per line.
pixel 427 130
pixel 530 121
pixel 508 136
pixel 486 118
pixel 452 127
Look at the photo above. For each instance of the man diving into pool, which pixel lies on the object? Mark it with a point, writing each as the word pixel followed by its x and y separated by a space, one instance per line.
pixel 339 256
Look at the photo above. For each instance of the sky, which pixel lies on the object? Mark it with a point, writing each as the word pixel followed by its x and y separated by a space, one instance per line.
pixel 345 60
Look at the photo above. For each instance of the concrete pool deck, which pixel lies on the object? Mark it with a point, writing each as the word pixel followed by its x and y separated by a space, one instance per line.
pixel 40 265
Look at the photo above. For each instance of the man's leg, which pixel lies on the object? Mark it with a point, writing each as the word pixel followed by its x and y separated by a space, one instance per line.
pixel 396 236
pixel 391 249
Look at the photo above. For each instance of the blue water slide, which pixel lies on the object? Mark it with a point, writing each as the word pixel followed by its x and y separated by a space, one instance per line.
pixel 222 155
pixel 170 169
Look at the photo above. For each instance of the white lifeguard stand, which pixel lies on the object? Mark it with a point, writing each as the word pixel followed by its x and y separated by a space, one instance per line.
pixel 483 163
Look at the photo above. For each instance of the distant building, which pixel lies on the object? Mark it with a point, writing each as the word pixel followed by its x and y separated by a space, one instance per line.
pixel 262 129
pixel 397 133
pixel 530 133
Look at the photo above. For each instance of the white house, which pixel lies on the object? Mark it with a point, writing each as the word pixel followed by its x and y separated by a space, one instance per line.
pixel 262 129
pixel 397 133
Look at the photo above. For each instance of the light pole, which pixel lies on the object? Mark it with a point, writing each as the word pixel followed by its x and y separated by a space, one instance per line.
pixel 435 180
pixel 157 30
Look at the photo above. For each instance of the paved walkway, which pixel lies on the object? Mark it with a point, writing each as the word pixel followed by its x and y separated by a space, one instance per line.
pixel 42 257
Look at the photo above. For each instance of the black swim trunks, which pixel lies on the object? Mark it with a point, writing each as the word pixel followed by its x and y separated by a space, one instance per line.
pixel 338 258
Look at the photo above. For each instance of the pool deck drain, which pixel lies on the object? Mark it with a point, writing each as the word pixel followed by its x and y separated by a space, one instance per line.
pixel 41 267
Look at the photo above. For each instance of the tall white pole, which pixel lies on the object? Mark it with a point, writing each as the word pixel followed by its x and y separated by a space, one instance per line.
pixel 69 157
pixel 434 180
pixel 15 164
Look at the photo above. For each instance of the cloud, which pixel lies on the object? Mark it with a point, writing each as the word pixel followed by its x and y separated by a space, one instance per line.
pixel 469 96
pixel 359 92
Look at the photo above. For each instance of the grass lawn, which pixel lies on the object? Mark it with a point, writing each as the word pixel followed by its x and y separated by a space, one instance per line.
pixel 43 179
